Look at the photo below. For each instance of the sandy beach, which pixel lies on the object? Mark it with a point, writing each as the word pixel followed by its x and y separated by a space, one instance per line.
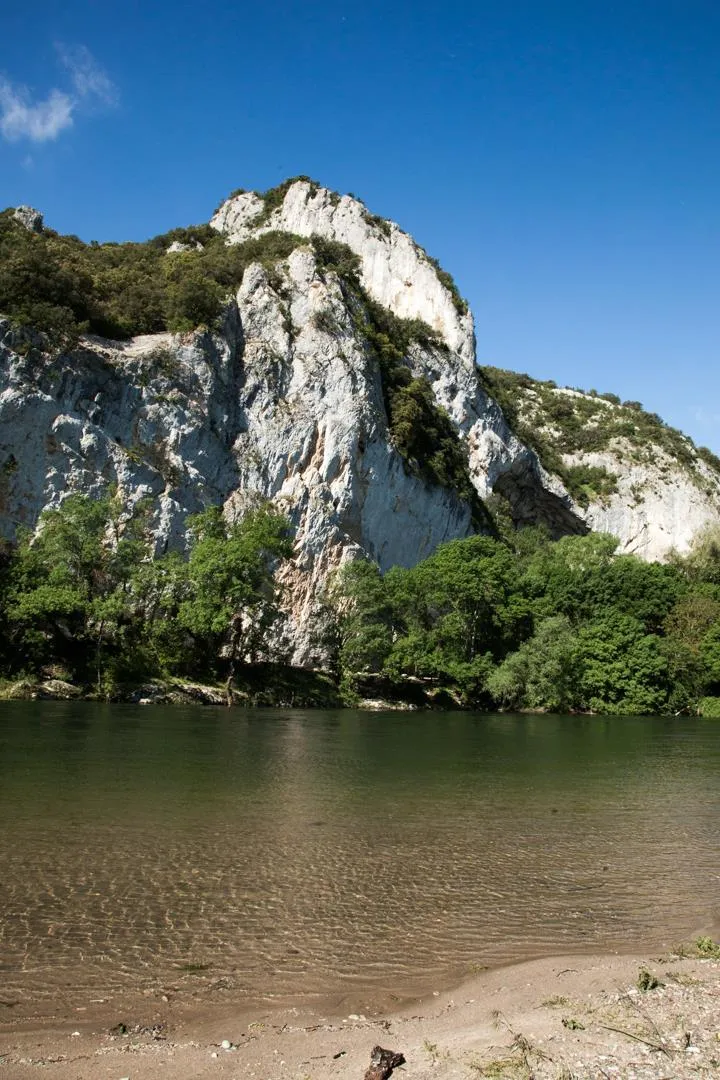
pixel 561 1017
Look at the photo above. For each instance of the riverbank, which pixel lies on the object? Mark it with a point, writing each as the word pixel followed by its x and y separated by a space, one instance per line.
pixel 254 686
pixel 583 1017
pixel 278 686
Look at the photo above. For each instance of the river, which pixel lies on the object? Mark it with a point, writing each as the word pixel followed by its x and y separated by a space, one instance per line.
pixel 286 854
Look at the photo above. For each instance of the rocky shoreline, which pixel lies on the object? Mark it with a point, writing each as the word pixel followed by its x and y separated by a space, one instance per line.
pixel 274 685
pixel 259 685
pixel 583 1017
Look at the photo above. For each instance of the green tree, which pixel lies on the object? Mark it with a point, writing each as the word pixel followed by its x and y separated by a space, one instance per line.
pixel 364 614
pixel 542 673
pixel 702 563
pixel 687 644
pixel 455 612
pixel 622 669
pixel 192 297
pixel 70 594
pixel 232 596
pixel 710 653
pixel 582 577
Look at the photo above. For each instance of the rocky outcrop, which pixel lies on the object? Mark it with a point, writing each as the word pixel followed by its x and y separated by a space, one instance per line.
pixel 30 219
pixel 285 401
pixel 398 274
pixel 658 505
pixel 631 475
pixel 395 270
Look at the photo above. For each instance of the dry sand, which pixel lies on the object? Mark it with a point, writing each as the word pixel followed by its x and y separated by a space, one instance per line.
pixel 576 1016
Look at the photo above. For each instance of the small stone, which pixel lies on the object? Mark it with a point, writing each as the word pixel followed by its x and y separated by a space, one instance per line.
pixel 74 1033
pixel 226 1044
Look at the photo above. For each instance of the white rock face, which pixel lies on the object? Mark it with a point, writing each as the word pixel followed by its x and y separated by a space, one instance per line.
pixel 29 218
pixel 395 271
pixel 276 406
pixel 177 247
pixel 660 502
pixel 657 508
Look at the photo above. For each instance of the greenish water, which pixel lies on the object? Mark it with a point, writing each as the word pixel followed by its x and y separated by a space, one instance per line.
pixel 300 853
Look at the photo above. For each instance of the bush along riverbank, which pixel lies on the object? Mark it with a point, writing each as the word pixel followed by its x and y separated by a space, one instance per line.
pixel 517 622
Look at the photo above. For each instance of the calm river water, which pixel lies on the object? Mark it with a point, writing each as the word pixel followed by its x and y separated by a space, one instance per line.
pixel 296 853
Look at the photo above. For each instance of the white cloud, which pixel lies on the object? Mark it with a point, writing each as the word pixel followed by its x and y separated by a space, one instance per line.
pixel 42 120
pixel 21 118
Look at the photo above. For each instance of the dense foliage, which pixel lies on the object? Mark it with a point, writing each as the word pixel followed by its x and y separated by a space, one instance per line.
pixel 64 287
pixel 88 599
pixel 560 626
pixel 534 624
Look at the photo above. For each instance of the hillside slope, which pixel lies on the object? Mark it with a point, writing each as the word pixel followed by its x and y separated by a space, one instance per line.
pixel 628 472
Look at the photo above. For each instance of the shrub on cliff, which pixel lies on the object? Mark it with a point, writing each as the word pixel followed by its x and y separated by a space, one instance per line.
pixel 63 287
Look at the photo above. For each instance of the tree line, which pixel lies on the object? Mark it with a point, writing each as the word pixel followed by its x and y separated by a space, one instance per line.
pixel 529 623
pixel 519 622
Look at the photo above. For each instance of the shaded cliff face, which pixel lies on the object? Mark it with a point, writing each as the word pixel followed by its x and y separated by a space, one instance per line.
pixel 291 398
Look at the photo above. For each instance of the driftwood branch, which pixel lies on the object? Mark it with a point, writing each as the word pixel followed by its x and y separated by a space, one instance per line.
pixel 382 1063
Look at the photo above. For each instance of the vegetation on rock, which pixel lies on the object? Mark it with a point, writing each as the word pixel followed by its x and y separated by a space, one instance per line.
pixel 62 287
pixel 274 197
pixel 459 302
pixel 559 422
pixel 420 429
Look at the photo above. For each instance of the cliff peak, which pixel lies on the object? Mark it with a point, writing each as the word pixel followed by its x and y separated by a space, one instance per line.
pixel 395 270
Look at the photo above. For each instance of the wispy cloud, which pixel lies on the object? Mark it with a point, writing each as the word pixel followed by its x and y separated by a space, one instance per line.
pixel 40 120
pixel 89 80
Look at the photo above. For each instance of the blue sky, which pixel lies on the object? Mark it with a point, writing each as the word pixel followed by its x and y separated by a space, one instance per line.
pixel 562 160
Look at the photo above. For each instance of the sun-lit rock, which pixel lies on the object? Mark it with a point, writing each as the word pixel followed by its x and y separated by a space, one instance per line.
pixel 276 405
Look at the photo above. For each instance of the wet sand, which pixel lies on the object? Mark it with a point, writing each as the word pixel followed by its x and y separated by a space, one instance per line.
pixel 551 1019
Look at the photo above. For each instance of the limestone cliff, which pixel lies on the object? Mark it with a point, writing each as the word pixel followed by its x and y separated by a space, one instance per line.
pixel 290 397
pixel 629 473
